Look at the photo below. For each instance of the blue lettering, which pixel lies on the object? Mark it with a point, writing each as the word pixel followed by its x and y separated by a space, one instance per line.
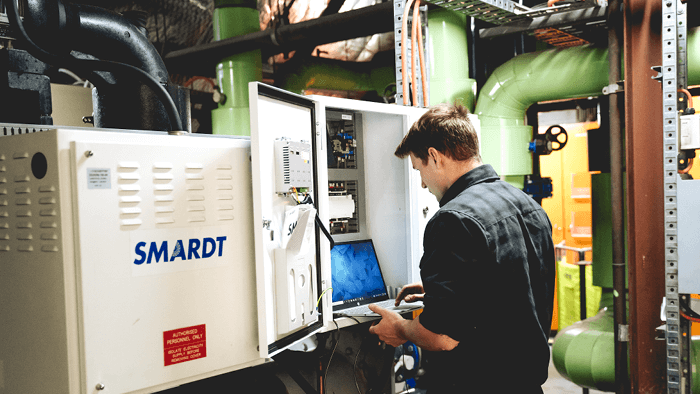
pixel 196 249
pixel 140 252
pixel 179 251
pixel 221 244
pixel 163 251
pixel 208 253
pixel 193 249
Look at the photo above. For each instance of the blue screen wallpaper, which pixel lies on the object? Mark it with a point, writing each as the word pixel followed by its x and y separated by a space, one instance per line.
pixel 355 272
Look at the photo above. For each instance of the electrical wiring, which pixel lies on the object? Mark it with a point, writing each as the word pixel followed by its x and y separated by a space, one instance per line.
pixel 688 317
pixel 687 94
pixel 200 78
pixel 404 61
pixel 70 73
pixel 421 56
pixel 414 47
pixel 687 169
pixel 337 329
pixel 354 369
pixel 321 296
pixel 89 65
pixel 687 312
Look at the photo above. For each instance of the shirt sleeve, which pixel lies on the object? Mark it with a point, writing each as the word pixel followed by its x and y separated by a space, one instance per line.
pixel 455 248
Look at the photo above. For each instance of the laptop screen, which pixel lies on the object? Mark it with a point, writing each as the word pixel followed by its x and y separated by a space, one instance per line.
pixel 357 278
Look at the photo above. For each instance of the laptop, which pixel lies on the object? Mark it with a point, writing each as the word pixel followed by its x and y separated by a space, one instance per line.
pixel 358 281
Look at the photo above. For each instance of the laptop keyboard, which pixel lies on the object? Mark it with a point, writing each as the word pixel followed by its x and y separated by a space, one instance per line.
pixel 364 309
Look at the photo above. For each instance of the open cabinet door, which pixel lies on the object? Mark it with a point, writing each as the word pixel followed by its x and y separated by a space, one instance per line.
pixel 292 254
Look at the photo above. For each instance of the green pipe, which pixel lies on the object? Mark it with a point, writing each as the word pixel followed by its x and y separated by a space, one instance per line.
pixel 234 18
pixel 583 352
pixel 448 55
pixel 522 81
pixel 540 76
pixel 319 73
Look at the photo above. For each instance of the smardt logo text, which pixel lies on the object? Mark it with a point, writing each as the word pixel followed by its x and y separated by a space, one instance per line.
pixel 207 246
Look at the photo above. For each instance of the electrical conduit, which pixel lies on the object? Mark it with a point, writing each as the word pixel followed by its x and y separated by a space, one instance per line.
pixel 234 18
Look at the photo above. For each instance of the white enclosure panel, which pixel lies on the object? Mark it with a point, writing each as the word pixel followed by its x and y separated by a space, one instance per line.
pixel 688 229
pixel 165 245
pixel 274 117
pixel 38 318
pixel 76 308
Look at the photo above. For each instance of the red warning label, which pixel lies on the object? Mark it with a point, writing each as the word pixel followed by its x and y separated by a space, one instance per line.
pixel 184 344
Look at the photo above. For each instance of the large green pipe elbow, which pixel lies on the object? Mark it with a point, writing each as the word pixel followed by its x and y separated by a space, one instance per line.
pixel 524 80
pixel 584 352
pixel 234 18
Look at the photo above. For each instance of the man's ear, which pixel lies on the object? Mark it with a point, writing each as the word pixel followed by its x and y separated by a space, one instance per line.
pixel 434 154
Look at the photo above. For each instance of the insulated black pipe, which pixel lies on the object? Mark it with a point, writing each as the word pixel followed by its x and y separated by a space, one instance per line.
pixel 110 36
pixel 122 48
pixel 616 173
pixel 356 23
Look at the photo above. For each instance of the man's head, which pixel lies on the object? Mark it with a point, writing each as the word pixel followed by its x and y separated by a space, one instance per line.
pixel 445 128
pixel 442 146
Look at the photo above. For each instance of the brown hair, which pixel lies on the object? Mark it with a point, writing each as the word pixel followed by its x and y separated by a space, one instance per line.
pixel 443 127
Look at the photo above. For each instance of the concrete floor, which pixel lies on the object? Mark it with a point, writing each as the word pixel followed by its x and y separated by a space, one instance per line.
pixel 556 384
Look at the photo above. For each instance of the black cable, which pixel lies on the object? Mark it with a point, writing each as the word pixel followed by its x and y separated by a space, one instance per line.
pixel 687 312
pixel 88 65
pixel 354 367
pixel 325 231
pixel 337 328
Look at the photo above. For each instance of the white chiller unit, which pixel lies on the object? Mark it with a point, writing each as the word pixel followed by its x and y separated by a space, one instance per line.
pixel 132 262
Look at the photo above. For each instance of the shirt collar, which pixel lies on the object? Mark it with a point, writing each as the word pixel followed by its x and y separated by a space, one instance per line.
pixel 483 173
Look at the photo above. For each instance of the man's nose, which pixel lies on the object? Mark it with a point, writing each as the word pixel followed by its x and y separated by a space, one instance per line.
pixel 423 185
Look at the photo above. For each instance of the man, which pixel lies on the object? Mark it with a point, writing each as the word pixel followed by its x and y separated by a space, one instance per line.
pixel 487 269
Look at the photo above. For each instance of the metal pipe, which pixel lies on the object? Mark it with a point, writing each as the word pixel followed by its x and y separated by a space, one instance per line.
pixel 356 23
pixel 80 25
pixel 522 81
pixel 234 18
pixel 449 59
pixel 616 160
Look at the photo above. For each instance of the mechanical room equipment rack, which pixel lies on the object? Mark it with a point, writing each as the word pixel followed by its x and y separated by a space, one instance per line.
pixel 674 73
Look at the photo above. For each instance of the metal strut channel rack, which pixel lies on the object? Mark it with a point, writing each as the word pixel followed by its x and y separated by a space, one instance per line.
pixel 674 77
pixel 399 6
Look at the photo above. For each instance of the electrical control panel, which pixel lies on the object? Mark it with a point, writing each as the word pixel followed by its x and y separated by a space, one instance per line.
pixel 372 194
pixel 342 143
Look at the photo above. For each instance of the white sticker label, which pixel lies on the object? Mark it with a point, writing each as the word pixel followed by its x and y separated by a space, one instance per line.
pixel 99 178
pixel 346 117
pixel 156 252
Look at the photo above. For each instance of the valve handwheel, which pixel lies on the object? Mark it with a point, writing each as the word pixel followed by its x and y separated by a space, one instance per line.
pixel 557 136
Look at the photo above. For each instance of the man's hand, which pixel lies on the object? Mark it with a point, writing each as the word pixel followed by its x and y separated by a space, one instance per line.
pixel 395 330
pixel 410 293
pixel 389 329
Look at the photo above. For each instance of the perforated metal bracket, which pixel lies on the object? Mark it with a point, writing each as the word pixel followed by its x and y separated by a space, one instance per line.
pixel 674 77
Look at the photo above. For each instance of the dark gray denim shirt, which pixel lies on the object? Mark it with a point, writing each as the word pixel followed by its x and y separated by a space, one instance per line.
pixel 488 275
